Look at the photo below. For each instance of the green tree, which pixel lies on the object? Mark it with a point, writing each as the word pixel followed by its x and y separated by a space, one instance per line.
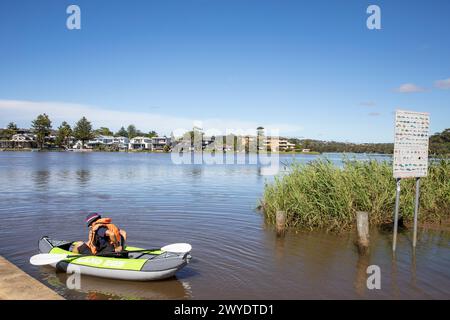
pixel 440 143
pixel 83 131
pixel 41 127
pixel 122 133
pixel 166 148
pixel 139 133
pixel 132 131
pixel 152 134
pixel 9 131
pixel 63 134
pixel 12 126
pixel 103 131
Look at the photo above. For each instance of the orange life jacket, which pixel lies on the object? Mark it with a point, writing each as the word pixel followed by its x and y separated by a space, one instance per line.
pixel 104 222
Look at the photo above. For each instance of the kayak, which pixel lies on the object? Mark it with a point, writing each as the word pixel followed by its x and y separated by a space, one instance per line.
pixel 138 266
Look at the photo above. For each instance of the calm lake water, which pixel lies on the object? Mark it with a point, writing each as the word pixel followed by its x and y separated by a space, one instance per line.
pixel 235 255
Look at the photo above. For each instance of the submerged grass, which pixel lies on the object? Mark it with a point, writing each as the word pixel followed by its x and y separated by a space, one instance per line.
pixel 321 195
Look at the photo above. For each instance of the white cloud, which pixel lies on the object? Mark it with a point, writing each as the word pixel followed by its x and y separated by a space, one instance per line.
pixel 23 112
pixel 442 84
pixel 409 88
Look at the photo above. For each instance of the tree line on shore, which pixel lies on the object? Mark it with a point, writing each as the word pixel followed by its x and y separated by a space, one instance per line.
pixel 82 131
pixel 334 146
pixel 439 145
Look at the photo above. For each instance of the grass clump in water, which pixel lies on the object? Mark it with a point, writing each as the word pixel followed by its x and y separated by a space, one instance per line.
pixel 321 195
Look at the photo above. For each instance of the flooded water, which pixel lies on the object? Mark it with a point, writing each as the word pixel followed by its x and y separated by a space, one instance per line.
pixel 235 255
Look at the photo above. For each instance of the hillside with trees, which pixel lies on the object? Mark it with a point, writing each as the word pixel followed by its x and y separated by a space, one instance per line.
pixel 439 145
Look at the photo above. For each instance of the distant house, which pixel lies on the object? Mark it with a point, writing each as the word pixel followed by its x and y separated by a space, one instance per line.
pixel 120 142
pixel 100 140
pixel 140 143
pixel 152 144
pixel 21 137
pixel 107 141
pixel 21 140
pixel 273 143
pixel 284 144
pixel 78 145
pixel 159 143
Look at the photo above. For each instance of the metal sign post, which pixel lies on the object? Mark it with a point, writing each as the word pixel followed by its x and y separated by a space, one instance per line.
pixel 416 211
pixel 397 206
pixel 410 158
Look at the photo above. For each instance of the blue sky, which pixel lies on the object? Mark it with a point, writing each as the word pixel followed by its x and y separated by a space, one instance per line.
pixel 312 69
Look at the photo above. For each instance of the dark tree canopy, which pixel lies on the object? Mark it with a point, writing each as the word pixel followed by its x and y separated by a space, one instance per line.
pixel 42 127
pixel 103 131
pixel 122 133
pixel 63 135
pixel 83 130
pixel 132 131
pixel 333 146
pixel 440 143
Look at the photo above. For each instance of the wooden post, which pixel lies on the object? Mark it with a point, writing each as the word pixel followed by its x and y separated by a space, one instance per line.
pixel 280 223
pixel 362 226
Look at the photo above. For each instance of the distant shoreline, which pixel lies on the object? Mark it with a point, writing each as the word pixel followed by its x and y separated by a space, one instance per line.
pixel 312 153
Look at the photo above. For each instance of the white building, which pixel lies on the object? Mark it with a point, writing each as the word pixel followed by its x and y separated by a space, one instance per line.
pixel 22 137
pixel 121 142
pixel 140 143
pixel 159 143
pixel 145 143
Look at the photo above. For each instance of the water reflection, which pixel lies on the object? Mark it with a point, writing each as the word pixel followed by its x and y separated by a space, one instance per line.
pixel 41 180
pixel 83 177
pixel 394 275
pixel 99 288
pixel 363 262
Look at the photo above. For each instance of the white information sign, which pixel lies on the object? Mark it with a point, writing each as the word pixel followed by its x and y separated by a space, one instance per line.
pixel 411 144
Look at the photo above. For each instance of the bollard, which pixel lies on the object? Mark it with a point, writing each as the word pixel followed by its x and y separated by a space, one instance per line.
pixel 362 227
pixel 280 223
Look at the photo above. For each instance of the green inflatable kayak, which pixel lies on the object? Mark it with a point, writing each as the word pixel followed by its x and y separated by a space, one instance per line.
pixel 138 266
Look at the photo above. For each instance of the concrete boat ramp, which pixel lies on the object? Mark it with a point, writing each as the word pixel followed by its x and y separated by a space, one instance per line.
pixel 17 285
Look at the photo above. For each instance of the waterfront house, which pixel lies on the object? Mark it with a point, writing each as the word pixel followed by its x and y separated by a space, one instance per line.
pixel 78 145
pixel 159 143
pixel 140 143
pixel 276 144
pixel 22 140
pixel 152 144
pixel 100 140
pixel 109 141
pixel 22 137
pixel 122 142
pixel 272 143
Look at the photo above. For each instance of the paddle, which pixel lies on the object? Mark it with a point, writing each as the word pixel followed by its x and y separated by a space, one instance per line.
pixel 49 258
